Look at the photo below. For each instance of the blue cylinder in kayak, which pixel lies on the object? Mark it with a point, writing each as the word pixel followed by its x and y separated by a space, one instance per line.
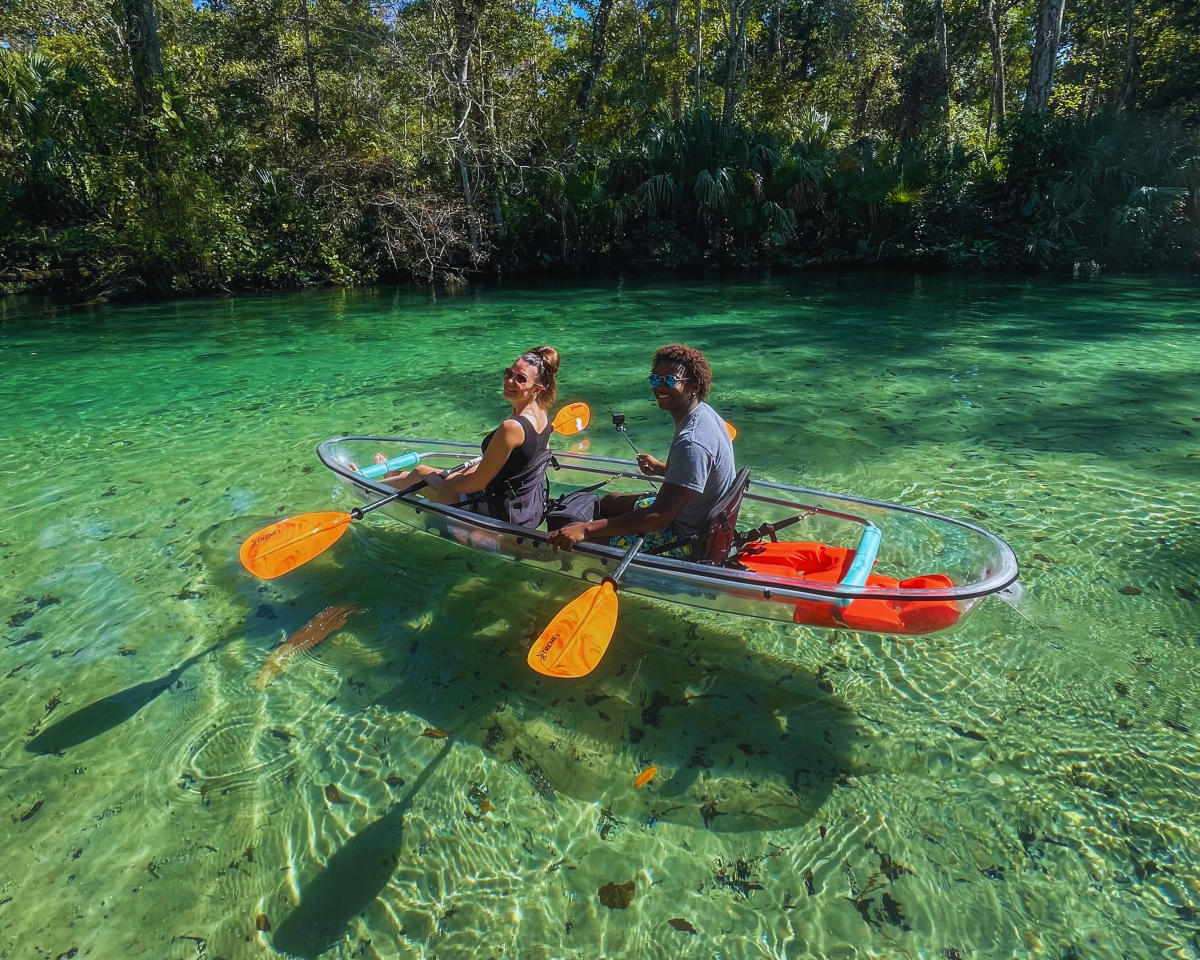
pixel 864 559
pixel 404 461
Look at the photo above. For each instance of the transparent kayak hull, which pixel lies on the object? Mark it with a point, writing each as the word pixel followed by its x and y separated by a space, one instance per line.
pixel 930 571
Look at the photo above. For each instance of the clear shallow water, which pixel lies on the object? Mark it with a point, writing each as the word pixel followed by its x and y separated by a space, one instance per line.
pixel 1022 786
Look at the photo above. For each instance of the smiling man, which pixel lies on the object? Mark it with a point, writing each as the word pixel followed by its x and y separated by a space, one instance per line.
pixel 698 471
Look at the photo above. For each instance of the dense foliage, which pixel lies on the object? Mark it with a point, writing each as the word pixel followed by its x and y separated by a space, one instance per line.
pixel 171 145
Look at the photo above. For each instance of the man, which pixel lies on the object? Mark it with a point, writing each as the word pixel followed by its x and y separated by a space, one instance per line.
pixel 698 471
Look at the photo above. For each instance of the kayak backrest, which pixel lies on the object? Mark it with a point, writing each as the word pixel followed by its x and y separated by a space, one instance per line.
pixel 722 521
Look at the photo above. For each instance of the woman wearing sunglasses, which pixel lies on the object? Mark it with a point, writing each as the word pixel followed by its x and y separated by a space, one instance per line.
pixel 697 473
pixel 507 482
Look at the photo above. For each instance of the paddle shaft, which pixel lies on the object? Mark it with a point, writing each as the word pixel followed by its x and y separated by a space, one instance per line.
pixel 627 559
pixel 359 512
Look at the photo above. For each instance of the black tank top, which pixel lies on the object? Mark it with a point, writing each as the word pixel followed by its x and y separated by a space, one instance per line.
pixel 517 494
pixel 520 458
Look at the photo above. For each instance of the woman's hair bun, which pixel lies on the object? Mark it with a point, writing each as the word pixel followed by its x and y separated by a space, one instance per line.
pixel 549 357
pixel 547 360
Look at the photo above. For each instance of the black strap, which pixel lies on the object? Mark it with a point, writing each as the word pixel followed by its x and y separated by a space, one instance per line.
pixel 495 499
pixel 681 542
pixel 769 529
pixel 557 502
pixel 507 493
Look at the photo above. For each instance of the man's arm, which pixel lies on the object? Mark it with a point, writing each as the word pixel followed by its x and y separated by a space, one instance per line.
pixel 670 500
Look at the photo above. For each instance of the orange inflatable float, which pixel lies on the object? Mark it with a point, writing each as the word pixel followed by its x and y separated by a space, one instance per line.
pixel 825 564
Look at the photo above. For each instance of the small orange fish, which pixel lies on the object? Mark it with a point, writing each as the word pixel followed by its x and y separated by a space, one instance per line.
pixel 435 733
pixel 308 636
pixel 645 776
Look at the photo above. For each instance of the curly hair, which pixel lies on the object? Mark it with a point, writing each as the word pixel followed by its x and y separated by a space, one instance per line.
pixel 694 363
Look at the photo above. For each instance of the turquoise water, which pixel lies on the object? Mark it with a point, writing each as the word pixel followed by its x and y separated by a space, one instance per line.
pixel 1022 786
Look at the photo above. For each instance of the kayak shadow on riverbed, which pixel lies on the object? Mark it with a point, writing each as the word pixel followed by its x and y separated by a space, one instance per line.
pixel 742 740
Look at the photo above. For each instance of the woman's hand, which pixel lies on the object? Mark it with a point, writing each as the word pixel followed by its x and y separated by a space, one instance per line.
pixel 566 537
pixel 650 465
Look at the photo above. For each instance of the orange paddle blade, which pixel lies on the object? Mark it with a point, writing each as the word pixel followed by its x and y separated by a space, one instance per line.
pixel 576 639
pixel 731 430
pixel 573 419
pixel 283 546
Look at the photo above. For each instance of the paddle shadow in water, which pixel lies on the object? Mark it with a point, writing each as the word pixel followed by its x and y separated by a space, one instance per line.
pixel 351 880
pixel 101 716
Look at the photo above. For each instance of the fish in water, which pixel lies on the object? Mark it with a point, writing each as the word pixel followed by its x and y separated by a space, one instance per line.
pixel 308 636
pixel 645 776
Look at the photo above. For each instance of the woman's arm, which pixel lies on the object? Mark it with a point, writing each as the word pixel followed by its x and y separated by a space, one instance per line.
pixel 508 436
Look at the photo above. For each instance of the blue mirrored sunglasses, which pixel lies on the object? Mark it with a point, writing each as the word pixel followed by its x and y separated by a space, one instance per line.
pixel 668 381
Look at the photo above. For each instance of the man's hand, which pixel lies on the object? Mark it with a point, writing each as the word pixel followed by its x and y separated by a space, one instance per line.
pixel 651 465
pixel 566 537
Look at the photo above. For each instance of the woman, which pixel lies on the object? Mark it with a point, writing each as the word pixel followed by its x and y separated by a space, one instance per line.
pixel 698 471
pixel 507 482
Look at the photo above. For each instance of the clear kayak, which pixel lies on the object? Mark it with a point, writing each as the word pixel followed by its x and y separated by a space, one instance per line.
pixel 802 556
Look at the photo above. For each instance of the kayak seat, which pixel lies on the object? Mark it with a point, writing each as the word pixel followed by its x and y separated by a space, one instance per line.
pixel 722 521
pixel 714 545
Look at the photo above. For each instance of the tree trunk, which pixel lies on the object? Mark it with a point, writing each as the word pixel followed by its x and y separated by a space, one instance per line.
pixel 699 48
pixel 992 13
pixel 735 59
pixel 587 88
pixel 1047 32
pixel 311 68
pixel 145 54
pixel 467 15
pixel 676 93
pixel 862 103
pixel 941 45
pixel 489 158
pixel 1125 99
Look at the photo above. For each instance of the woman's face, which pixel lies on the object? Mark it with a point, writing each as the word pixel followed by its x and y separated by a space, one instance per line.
pixel 520 382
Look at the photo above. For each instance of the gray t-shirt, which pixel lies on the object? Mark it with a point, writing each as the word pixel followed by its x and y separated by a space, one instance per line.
pixel 701 459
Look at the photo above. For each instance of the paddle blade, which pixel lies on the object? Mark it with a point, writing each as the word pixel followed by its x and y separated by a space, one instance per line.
pixel 576 639
pixel 283 546
pixel 731 430
pixel 573 419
